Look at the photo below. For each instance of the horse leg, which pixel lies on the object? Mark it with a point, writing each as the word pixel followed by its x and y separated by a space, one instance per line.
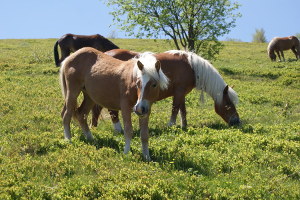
pixel 67 113
pixel 277 52
pixel 63 111
pixel 298 52
pixel 96 110
pixel 182 109
pixel 175 109
pixel 295 52
pixel 144 130
pixel 282 56
pixel 82 115
pixel 126 114
pixel 115 119
pixel 178 100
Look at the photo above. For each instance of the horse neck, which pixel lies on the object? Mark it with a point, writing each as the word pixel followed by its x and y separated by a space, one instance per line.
pixel 107 44
pixel 207 77
pixel 271 45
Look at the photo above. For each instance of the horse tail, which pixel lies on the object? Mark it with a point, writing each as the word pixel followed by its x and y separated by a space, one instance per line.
pixel 56 56
pixel 62 80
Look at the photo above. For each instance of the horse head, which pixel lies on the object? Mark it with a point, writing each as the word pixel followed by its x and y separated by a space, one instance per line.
pixel 150 80
pixel 272 55
pixel 226 109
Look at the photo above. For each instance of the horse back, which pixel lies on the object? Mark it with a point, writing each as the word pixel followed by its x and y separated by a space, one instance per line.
pixel 284 43
pixel 74 42
pixel 178 70
pixel 105 79
pixel 122 54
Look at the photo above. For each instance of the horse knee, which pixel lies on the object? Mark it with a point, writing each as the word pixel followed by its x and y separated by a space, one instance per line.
pixel 63 111
pixel 145 138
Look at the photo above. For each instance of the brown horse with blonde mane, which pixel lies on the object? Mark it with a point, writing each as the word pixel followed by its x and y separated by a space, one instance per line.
pixel 280 44
pixel 70 43
pixel 185 70
pixel 113 84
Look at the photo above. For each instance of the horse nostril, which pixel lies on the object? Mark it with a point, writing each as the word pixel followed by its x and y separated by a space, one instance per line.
pixel 143 110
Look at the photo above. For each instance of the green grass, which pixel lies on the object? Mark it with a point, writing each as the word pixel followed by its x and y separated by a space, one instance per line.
pixel 209 160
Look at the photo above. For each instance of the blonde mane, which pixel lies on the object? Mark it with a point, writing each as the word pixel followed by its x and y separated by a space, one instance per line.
pixel 207 77
pixel 271 45
pixel 149 60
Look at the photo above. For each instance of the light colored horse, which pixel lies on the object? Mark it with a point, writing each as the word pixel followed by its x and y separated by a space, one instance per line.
pixel 185 70
pixel 113 84
pixel 280 44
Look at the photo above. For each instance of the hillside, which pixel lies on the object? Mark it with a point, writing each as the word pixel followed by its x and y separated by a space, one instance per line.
pixel 209 160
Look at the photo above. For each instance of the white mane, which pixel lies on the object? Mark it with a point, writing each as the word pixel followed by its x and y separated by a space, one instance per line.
pixel 149 60
pixel 271 44
pixel 207 77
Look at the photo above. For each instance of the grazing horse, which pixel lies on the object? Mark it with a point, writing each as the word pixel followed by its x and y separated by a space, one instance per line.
pixel 185 70
pixel 280 44
pixel 114 84
pixel 70 43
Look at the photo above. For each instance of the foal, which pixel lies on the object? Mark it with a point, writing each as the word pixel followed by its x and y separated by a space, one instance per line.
pixel 185 70
pixel 113 84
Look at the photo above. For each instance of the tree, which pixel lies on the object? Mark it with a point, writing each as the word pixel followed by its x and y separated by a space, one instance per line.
pixel 259 36
pixel 193 25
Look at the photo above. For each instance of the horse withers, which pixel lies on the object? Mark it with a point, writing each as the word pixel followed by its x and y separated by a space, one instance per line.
pixel 280 44
pixel 185 70
pixel 70 43
pixel 113 84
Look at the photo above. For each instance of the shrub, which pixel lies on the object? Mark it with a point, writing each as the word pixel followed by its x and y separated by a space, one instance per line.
pixel 259 36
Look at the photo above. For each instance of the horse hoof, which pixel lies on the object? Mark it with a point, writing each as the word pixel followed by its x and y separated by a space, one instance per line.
pixel 118 127
pixel 147 158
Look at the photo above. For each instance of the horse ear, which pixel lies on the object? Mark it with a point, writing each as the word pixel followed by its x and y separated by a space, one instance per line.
pixel 140 65
pixel 226 90
pixel 157 66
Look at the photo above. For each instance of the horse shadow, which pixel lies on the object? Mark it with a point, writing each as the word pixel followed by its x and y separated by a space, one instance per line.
pixel 100 142
pixel 228 71
pixel 178 161
pixel 182 163
pixel 292 60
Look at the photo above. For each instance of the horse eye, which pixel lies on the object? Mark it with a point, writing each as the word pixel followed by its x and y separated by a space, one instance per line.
pixel 154 85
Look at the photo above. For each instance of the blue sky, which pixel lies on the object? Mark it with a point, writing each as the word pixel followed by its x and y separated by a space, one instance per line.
pixel 53 18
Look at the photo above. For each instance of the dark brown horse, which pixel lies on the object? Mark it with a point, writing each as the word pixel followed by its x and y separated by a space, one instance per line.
pixel 280 44
pixel 185 71
pixel 71 43
pixel 114 84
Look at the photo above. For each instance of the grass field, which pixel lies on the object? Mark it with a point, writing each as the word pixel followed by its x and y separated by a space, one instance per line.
pixel 209 160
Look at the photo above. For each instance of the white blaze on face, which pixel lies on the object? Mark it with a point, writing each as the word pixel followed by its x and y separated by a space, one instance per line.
pixel 142 105
pixel 145 79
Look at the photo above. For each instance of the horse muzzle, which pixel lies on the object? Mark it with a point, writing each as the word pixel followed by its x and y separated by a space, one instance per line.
pixel 142 108
pixel 234 121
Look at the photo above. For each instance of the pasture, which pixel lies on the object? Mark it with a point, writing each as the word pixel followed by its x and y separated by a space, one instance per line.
pixel 209 160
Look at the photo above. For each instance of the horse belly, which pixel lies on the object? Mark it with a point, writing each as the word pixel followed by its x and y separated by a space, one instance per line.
pixel 105 94
pixel 284 45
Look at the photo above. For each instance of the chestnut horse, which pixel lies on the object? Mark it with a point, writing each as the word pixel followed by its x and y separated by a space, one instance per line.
pixel 70 43
pixel 114 84
pixel 185 70
pixel 280 44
